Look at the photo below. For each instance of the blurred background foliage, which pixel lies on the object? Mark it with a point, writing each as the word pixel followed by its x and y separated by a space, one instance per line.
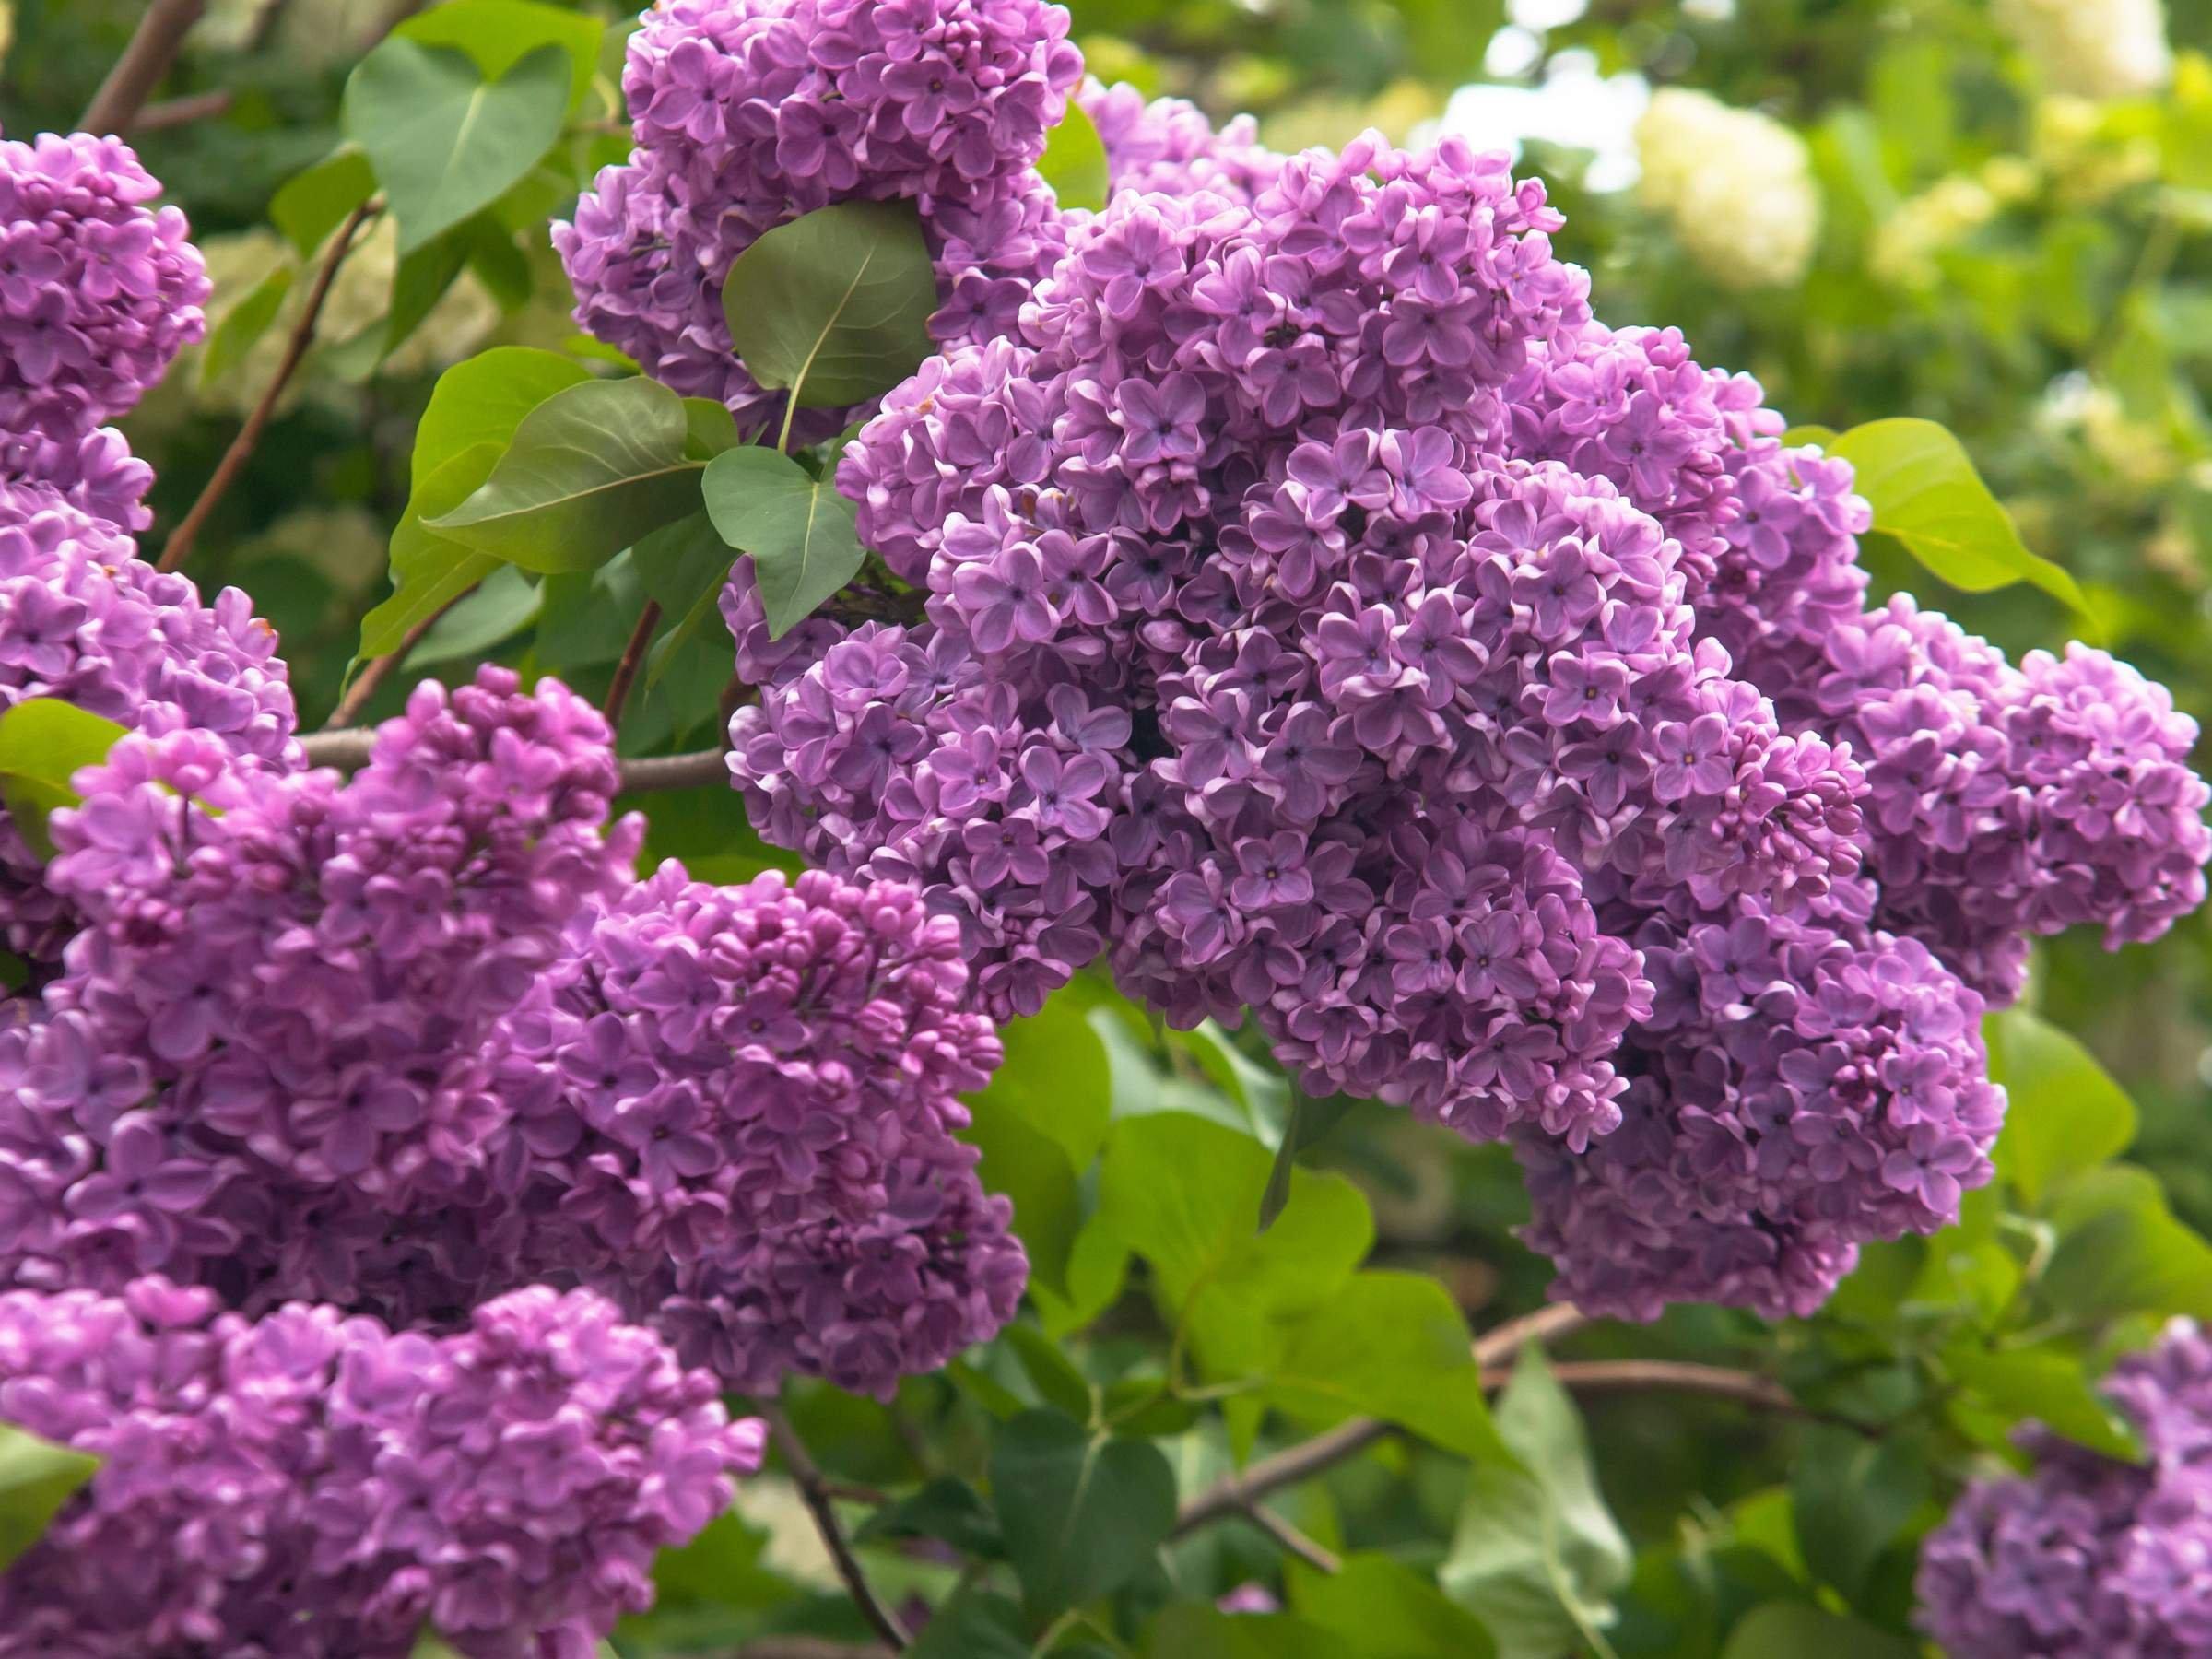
pixel 1947 209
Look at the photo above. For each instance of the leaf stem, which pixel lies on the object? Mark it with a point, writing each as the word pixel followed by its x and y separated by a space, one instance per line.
pixel 814 1490
pixel 378 669
pixel 227 470
pixel 634 657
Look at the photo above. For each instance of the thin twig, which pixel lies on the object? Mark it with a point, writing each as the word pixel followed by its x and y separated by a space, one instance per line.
pixel 1629 1376
pixel 1313 1553
pixel 347 750
pixel 184 111
pixel 264 26
pixel 379 669
pixel 1545 1325
pixel 634 657
pixel 814 1490
pixel 233 463
pixel 143 64
pixel 1237 1494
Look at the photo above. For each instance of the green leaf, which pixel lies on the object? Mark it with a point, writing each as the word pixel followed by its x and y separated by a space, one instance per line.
pixel 243 324
pixel 975 1624
pixel 2054 1388
pixel 1799 1630
pixel 473 414
pixel 1927 493
pixel 1187 1630
pixel 308 206
pixel 43 741
pixel 684 566
pixel 498 34
pixel 834 305
pixel 2120 1251
pixel 36 1480
pixel 1082 1512
pixel 501 607
pixel 1039 1126
pixel 444 142
pixel 1851 1495
pixel 1798 436
pixel 1379 1608
pixel 947 1508
pixel 798 529
pixel 1073 162
pixel 2065 1112
pixel 1537 1556
pixel 591 470
pixel 1310 1120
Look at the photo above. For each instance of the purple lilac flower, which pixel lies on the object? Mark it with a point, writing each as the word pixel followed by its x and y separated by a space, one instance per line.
pixel 99 291
pixel 2086 1556
pixel 312 1485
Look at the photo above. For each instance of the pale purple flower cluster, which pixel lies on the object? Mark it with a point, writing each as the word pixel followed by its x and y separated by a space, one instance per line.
pixel 82 619
pixel 748 114
pixel 99 291
pixel 734 1109
pixel 312 1485
pixel 2089 1557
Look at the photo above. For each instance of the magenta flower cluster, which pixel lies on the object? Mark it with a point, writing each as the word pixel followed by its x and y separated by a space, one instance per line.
pixel 2087 1557
pixel 310 1485
pixel 99 291
pixel 746 115
pixel 1329 623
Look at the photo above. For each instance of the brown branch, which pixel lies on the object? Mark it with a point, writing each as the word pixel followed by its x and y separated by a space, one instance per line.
pixel 815 1491
pixel 1240 1494
pixel 348 749
pixel 379 669
pixel 1313 1554
pixel 634 657
pixel 184 111
pixel 140 68
pixel 1545 1325
pixel 1630 1376
pixel 233 463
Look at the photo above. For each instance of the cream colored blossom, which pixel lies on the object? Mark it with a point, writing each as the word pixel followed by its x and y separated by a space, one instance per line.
pixel 1906 244
pixel 2093 48
pixel 1738 186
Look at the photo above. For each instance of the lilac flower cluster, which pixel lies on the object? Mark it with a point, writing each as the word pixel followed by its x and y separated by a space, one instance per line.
pixel 312 1485
pixel 99 291
pixel 82 619
pixel 1329 622
pixel 743 1098
pixel 746 115
pixel 2087 1557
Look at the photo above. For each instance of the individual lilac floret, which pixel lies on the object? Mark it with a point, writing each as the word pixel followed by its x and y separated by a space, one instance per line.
pixel 2087 1557
pixel 750 112
pixel 734 1110
pixel 99 291
pixel 82 619
pixel 313 1486
pixel 1168 146
pixel 1802 1085
pixel 280 1003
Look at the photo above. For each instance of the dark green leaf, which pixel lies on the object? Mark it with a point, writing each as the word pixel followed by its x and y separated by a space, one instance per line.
pixel 1379 1608
pixel 973 1625
pixel 684 566
pixel 1799 1630
pixel 1190 1631
pixel 506 604
pixel 834 304
pixel 2065 1112
pixel 1537 1556
pixel 591 470
pixel 243 324
pixel 1073 162
pixel 798 529
pixel 36 1480
pixel 500 33
pixel 1927 493
pixel 2120 1251
pixel 43 741
pixel 1310 1120
pixel 1081 1511
pixel 1050 1373
pixel 947 1508
pixel 308 206
pixel 1851 1495
pixel 443 141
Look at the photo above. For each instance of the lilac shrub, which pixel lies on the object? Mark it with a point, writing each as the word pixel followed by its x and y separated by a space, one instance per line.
pixel 2087 1557
pixel 311 1486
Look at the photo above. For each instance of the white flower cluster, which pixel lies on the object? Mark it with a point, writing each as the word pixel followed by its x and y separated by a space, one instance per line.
pixel 2093 48
pixel 1738 186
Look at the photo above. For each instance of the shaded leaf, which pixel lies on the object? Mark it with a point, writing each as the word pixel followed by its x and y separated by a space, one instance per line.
pixel 975 1624
pixel 243 324
pixel 1800 1630
pixel 947 1508
pixel 1379 1608
pixel 1310 1120
pixel 1081 1511
pixel 684 566
pixel 1849 1496
pixel 308 206
pixel 2054 1388
pixel 501 607
pixel 36 1480
pixel 2065 1112
pixel 798 529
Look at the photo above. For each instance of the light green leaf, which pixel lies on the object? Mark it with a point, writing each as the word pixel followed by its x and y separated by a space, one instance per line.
pixel 444 142
pixel 798 529
pixel 2051 1386
pixel 309 205
pixel 43 741
pixel 834 304
pixel 1073 162
pixel 501 607
pixel 1187 1630
pixel 1039 1124
pixel 2064 1112
pixel 1851 1495
pixel 1379 1608
pixel 591 470
pixel 1799 1630
pixel 1081 1511
pixel 1310 1121
pixel 1927 493
pixel 498 34
pixel 2120 1251
pixel 1537 1556
pixel 243 324
pixel 36 1480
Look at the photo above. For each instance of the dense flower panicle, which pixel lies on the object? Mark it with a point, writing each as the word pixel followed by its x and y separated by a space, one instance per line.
pixel 311 1486
pixel 93 472
pixel 82 619
pixel 1804 1084
pixel 277 1015
pixel 748 114
pixel 1167 147
pixel 2093 48
pixel 99 291
pixel 733 1108
pixel 1736 185
pixel 2087 1557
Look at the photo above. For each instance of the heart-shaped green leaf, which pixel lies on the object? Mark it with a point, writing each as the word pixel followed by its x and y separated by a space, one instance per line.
pixel 798 529
pixel 1081 1511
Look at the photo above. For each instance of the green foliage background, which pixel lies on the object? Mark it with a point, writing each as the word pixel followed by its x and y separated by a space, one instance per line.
pixel 2033 272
